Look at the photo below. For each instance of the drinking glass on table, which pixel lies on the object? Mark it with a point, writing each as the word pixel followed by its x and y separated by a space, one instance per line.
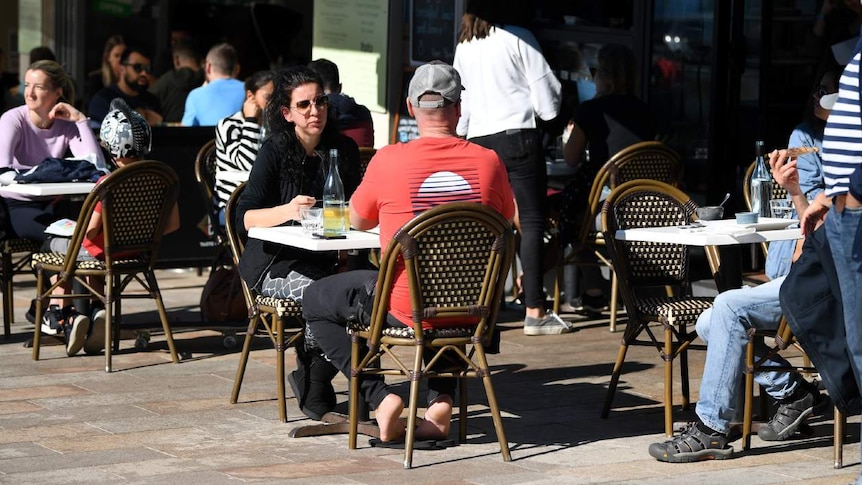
pixel 311 219
pixel 781 208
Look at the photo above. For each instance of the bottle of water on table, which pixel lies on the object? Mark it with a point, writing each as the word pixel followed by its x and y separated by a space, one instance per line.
pixel 334 203
pixel 761 183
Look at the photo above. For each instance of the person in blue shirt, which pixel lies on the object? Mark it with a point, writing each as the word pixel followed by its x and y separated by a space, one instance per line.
pixel 222 95
pixel 725 326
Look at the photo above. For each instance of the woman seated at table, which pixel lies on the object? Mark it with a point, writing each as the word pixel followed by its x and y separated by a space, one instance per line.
pixel 288 175
pixel 239 135
pixel 47 126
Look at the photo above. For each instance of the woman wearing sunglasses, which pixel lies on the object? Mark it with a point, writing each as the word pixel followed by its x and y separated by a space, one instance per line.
pixel 45 127
pixel 288 175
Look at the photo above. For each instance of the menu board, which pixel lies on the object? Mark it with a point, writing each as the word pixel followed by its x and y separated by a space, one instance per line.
pixel 434 30
pixel 354 35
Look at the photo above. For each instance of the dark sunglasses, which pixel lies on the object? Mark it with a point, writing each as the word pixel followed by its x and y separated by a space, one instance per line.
pixel 138 67
pixel 304 106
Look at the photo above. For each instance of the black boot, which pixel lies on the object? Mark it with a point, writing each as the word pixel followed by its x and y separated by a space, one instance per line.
pixel 312 383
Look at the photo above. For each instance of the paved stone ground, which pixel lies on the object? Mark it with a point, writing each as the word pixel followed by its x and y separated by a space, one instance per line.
pixel 64 420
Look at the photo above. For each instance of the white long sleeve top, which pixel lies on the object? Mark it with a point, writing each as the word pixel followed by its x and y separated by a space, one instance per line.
pixel 507 83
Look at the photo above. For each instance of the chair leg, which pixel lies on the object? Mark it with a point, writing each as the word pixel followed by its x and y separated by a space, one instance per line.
pixel 413 406
pixel 558 282
pixel 163 316
pixel 40 303
pixel 615 379
pixel 109 325
pixel 354 397
pixel 838 438
pixel 683 372
pixel 748 411
pixel 462 411
pixel 243 358
pixel 668 380
pixel 612 326
pixel 278 321
pixel 492 403
pixel 8 300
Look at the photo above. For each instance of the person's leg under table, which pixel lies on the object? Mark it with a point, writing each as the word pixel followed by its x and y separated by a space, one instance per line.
pixel 327 306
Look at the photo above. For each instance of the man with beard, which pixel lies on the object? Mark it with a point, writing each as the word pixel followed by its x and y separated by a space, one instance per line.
pixel 131 87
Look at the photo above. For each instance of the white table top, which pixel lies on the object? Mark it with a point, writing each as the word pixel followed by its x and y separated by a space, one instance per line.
pixel 728 234
pixel 47 189
pixel 293 236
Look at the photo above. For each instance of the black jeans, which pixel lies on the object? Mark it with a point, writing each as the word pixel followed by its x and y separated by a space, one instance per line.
pixel 328 304
pixel 521 152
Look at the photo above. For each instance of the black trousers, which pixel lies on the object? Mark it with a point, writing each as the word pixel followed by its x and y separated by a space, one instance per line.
pixel 521 152
pixel 329 304
pixel 28 219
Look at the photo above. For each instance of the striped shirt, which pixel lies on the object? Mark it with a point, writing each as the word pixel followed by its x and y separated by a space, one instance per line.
pixel 237 140
pixel 842 138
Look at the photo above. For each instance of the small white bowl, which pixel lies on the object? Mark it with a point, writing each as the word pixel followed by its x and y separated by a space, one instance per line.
pixel 746 217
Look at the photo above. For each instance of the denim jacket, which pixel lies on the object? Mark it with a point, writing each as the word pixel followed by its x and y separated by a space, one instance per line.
pixel 810 167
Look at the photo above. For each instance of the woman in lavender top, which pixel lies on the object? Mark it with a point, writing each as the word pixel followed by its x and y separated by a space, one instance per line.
pixel 48 125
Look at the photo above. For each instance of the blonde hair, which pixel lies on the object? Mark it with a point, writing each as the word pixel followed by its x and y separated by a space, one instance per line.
pixel 58 79
pixel 109 77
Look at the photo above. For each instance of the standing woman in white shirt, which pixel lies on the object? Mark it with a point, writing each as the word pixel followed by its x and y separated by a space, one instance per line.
pixel 507 85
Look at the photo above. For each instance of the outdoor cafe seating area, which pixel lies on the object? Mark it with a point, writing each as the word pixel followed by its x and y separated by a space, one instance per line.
pixel 546 392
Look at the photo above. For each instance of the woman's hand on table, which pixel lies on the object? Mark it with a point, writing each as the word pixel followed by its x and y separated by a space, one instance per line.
pixel 295 205
pixel 67 112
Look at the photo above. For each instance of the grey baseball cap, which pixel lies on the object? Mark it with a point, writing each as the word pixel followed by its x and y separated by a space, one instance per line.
pixel 436 77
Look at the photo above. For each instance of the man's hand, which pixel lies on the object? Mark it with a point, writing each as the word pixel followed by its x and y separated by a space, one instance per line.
pixel 814 214
pixel 784 172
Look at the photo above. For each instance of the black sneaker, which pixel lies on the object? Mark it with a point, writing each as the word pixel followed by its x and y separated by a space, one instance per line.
pixel 30 316
pixel 692 445
pixel 593 304
pixel 75 327
pixel 52 320
pixel 792 412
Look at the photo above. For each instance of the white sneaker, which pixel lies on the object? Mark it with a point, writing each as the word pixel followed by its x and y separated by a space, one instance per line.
pixel 76 328
pixel 550 324
pixel 96 339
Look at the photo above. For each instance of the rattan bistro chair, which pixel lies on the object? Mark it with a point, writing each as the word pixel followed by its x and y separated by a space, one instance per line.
pixel 456 257
pixel 205 174
pixel 272 313
pixel 650 160
pixel 15 256
pixel 782 338
pixel 136 204
pixel 643 268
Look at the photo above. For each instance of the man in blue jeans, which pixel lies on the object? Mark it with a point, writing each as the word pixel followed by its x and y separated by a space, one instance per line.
pixel 725 329
pixel 842 200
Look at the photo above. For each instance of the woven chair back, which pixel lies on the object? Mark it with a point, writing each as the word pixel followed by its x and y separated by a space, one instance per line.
pixel 643 203
pixel 455 257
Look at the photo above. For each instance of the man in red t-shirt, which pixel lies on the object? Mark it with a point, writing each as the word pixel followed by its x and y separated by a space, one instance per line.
pixel 402 181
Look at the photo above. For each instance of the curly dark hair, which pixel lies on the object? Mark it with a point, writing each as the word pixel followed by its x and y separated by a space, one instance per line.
pixel 283 132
